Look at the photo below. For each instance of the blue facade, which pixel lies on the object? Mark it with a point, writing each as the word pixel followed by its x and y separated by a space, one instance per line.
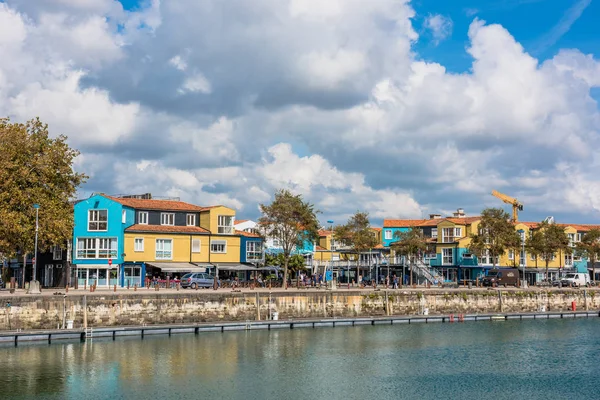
pixel 244 240
pixel 391 234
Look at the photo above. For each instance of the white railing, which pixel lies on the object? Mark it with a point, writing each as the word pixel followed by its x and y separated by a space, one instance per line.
pixel 425 271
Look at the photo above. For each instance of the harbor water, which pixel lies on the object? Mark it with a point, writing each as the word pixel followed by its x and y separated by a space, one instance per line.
pixel 542 359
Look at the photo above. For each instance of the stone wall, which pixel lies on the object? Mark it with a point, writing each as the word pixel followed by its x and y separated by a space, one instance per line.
pixel 49 312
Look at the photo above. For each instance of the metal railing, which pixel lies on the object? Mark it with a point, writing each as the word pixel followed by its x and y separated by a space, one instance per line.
pixel 426 272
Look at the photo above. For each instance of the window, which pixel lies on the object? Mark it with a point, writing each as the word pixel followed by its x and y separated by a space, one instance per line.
pixel 253 251
pixel 577 258
pixel 447 258
pixel 190 220
pixel 107 248
pixel 167 219
pixel 276 243
pixel 434 233
pixel 56 253
pixel 143 217
pixel 164 249
pixel 123 216
pixel 196 246
pixel 533 257
pixel 458 232
pixel 511 254
pixel 98 220
pixel 571 239
pixel 218 246
pixel 448 235
pixel 430 255
pixel 138 244
pixel 225 224
pixel 97 248
pixel 578 237
pixel 568 260
pixel 468 256
pixel 388 235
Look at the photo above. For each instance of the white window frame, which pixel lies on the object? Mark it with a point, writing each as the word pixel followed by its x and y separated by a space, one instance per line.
pixel 143 217
pixel 190 219
pixel 254 247
pixel 94 218
pixel 56 253
pixel 532 256
pixel 569 260
pixel 447 238
pixel 196 245
pixel 511 254
pixel 137 241
pixel 445 256
pixel 218 243
pixel 167 219
pixel 223 228
pixel 95 248
pixel 160 252
pixel 276 243
pixel 467 256
pixel 123 216
pixel 434 233
pixel 457 232
pixel 388 234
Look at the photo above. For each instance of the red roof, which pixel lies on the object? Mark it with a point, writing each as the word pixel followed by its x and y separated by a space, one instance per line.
pixel 247 234
pixel 463 220
pixel 162 205
pixel 324 232
pixel 401 223
pixel 166 229
pixel 319 248
pixel 376 229
pixel 241 221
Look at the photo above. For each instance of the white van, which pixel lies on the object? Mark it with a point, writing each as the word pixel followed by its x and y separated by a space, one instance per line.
pixel 576 279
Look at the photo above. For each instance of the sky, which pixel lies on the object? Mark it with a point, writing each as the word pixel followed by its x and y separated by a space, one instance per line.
pixel 398 108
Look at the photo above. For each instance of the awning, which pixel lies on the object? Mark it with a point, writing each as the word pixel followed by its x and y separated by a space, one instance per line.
pixel 180 267
pixel 235 267
pixel 95 266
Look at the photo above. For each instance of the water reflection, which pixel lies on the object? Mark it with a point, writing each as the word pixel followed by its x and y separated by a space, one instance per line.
pixel 535 359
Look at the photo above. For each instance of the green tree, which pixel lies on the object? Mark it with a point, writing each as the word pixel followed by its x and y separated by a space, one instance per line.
pixel 410 243
pixel 357 235
pixel 35 168
pixel 589 247
pixel 550 239
pixel 496 234
pixel 296 262
pixel 535 245
pixel 292 221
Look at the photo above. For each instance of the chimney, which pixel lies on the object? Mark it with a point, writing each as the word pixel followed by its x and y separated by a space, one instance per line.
pixel 435 216
pixel 460 213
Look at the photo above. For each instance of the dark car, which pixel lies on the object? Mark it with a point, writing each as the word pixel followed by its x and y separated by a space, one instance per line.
pixel 501 277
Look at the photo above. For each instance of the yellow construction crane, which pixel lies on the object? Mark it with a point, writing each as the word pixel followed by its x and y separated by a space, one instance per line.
pixel 516 204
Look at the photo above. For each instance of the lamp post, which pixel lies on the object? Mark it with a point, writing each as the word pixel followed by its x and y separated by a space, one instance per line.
pixel 523 258
pixel 330 222
pixel 34 284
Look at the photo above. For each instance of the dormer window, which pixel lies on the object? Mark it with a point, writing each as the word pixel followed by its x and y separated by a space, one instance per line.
pixel 98 220
pixel 143 217
pixel 167 218
pixel 191 220
pixel 225 224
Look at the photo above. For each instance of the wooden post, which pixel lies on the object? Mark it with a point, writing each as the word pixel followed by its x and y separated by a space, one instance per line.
pixel 257 306
pixel 387 304
pixel 85 322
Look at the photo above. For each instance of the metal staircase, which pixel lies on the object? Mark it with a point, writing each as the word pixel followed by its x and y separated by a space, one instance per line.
pixel 426 272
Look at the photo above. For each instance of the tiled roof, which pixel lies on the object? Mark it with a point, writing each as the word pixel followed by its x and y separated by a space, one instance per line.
pixel 241 221
pixel 247 234
pixel 463 220
pixel 379 246
pixel 324 232
pixel 431 222
pixel 582 227
pixel 401 223
pixel 319 248
pixel 162 205
pixel 376 229
pixel 166 229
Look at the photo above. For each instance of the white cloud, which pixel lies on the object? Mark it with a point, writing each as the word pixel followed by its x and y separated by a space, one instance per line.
pixel 195 83
pixel 440 26
pixel 178 63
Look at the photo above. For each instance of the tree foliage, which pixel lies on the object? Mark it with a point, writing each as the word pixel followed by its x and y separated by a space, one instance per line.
pixel 546 240
pixel 410 243
pixel 357 235
pixel 295 264
pixel 589 247
pixel 292 221
pixel 496 234
pixel 35 168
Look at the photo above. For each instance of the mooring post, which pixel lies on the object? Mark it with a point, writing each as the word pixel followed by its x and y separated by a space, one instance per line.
pixel 257 307
pixel 500 299
pixel 585 300
pixel 387 304
pixel 85 325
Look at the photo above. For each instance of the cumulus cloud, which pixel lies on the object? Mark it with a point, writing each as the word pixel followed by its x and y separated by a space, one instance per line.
pixel 440 27
pixel 222 102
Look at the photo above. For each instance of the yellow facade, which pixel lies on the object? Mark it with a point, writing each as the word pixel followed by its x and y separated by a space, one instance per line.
pixel 182 248
pixel 209 218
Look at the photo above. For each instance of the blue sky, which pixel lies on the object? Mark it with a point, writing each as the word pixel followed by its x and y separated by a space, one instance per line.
pixel 356 105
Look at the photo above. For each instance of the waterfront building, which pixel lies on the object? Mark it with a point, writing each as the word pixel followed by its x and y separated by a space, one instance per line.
pixel 123 240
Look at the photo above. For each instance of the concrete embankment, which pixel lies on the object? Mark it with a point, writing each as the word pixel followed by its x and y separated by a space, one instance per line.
pixel 151 308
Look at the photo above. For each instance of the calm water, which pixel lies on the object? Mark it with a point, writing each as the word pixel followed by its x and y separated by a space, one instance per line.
pixel 553 359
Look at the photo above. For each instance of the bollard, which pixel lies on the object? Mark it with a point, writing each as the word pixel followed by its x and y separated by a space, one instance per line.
pixel 127 284
pixel 67 289
pixel 91 288
pixel 451 317
pixel 573 306
pixel 85 285
pixel 115 288
pixel 135 287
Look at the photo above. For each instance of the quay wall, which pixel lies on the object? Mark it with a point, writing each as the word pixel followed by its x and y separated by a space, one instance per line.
pixel 97 310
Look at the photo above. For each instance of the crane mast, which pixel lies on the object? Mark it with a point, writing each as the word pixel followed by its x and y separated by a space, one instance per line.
pixel 516 204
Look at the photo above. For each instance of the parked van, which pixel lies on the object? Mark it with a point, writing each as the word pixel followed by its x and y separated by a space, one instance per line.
pixel 576 279
pixel 501 277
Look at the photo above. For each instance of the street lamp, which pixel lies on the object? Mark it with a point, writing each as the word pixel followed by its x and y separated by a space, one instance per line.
pixel 330 222
pixel 34 287
pixel 523 258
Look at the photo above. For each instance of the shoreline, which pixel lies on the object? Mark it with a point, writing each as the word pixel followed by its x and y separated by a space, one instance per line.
pixel 14 338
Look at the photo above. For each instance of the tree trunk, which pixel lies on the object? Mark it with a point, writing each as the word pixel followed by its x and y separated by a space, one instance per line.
pixel 593 269
pixel 411 268
pixel 285 272
pixel 24 268
pixel 547 262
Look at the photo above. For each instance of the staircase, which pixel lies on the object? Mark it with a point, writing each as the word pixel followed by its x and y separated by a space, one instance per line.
pixel 426 272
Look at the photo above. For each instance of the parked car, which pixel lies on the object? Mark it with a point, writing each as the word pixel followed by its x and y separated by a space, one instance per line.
pixel 576 279
pixel 501 277
pixel 197 279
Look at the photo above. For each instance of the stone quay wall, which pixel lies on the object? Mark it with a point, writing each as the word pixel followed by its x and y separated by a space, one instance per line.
pixel 96 310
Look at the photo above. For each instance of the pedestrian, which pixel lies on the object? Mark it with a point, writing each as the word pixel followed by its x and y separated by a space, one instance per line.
pixel 387 281
pixel 395 280
pixel 360 281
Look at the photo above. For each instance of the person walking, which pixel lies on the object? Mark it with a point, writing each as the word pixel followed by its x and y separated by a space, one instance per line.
pixel 395 280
